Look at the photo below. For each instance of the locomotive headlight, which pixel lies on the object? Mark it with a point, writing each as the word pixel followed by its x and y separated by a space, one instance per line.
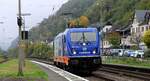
pixel 94 52
pixel 74 52
pixel 84 44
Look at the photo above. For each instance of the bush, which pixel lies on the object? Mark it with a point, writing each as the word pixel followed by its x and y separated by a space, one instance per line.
pixel 134 47
pixel 146 38
pixel 39 50
pixel 147 53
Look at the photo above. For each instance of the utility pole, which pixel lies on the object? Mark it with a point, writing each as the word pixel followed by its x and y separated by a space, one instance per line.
pixel 20 60
pixel 100 3
pixel 101 23
pixel 123 46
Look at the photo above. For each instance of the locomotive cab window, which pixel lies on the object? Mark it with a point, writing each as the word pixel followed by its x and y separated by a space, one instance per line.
pixel 83 36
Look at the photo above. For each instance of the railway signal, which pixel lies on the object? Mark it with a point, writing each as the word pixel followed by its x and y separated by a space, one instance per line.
pixel 24 35
pixel 19 21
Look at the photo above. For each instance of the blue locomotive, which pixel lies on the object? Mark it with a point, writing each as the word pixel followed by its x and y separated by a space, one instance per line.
pixel 78 48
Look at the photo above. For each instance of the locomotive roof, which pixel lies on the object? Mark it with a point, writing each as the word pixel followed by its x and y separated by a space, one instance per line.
pixel 80 29
pixel 75 29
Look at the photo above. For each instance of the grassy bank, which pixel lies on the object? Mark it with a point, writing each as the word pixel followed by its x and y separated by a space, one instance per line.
pixel 145 63
pixel 1 59
pixel 10 69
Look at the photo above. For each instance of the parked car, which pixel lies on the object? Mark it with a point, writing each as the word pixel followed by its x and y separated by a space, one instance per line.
pixel 115 52
pixel 129 53
pixel 121 52
pixel 139 53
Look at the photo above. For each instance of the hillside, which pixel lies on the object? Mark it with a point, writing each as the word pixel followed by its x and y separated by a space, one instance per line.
pixel 14 43
pixel 118 12
pixel 57 23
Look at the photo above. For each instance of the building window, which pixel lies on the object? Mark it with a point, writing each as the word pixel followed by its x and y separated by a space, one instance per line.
pixel 147 28
pixel 107 29
pixel 104 43
pixel 133 30
pixel 136 29
pixel 142 29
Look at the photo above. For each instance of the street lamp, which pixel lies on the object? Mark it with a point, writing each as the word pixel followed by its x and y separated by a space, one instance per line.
pixel 40 36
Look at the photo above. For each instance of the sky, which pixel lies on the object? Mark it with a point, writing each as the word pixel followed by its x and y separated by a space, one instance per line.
pixel 39 9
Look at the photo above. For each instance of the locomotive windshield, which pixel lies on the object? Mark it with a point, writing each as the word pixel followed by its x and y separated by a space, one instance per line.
pixel 83 36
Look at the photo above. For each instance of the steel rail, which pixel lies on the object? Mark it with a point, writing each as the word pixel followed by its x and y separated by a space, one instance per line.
pixel 126 71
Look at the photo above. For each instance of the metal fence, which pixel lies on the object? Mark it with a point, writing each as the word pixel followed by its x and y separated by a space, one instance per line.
pixel 141 62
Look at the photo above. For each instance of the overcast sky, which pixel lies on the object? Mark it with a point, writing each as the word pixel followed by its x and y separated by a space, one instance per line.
pixel 38 9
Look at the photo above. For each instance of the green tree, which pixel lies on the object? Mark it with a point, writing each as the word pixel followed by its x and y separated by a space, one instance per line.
pixel 39 50
pixel 114 39
pixel 13 52
pixel 1 52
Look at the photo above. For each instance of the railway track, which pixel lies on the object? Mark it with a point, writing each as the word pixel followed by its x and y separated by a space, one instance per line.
pixel 123 73
pixel 110 72
pixel 95 77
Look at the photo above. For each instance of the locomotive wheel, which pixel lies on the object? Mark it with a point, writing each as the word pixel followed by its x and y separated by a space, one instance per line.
pixel 89 72
pixel 55 63
pixel 64 67
pixel 68 69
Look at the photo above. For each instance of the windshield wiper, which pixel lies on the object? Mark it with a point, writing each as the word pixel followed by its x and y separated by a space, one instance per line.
pixel 84 38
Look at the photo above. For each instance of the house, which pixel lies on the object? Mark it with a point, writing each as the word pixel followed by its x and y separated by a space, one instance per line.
pixel 104 31
pixel 135 29
pixel 125 36
pixel 140 24
pixel 124 33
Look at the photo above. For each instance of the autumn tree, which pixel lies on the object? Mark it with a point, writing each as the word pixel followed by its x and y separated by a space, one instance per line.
pixel 73 23
pixel 83 21
pixel 146 38
pixel 114 39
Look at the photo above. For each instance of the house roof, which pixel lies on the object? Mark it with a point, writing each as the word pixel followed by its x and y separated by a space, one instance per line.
pixel 140 15
pixel 125 28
